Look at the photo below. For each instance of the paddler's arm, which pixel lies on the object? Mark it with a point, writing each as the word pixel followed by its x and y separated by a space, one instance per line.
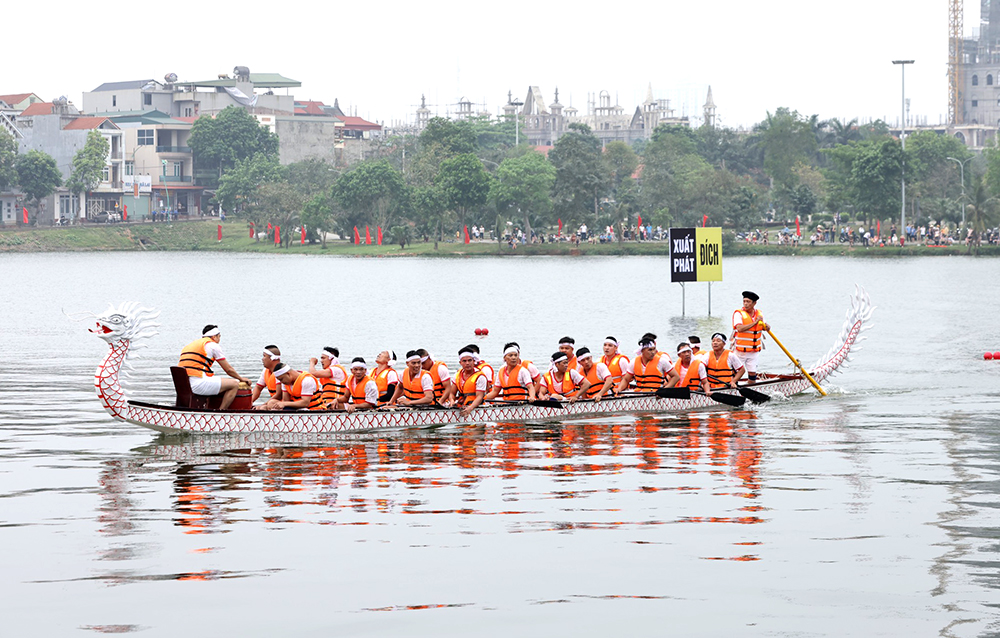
pixel 492 394
pixel 671 379
pixel 301 403
pixel 396 393
pixel 581 391
pixel 228 369
pixel 320 373
pixel 738 376
pixel 531 392
pixel 626 379
pixel 480 397
pixel 604 389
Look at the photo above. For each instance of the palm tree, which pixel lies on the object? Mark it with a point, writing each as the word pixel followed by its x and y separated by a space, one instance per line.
pixel 980 212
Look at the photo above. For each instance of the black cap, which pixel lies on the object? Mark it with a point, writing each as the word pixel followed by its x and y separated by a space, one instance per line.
pixel 752 296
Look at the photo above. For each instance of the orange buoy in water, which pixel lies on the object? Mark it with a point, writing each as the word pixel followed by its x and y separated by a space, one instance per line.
pixel 479 331
pixel 996 356
pixel 486 331
pixel 988 356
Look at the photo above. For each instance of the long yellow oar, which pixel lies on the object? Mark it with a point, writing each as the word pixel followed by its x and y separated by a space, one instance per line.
pixel 799 365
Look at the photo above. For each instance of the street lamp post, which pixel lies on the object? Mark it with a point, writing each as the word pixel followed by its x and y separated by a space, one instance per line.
pixel 517 138
pixel 166 191
pixel 961 167
pixel 902 138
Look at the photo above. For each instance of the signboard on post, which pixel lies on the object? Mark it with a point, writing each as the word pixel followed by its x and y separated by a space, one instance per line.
pixel 137 184
pixel 696 255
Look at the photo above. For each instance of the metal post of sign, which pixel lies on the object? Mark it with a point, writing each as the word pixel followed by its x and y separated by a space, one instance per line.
pixel 710 299
pixel 683 300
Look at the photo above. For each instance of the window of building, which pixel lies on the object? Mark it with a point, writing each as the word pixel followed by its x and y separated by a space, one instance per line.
pixel 145 137
pixel 975 80
pixel 187 111
pixel 178 169
pixel 106 174
pixel 114 100
pixel 975 103
pixel 147 98
pixel 130 168
pixel 989 79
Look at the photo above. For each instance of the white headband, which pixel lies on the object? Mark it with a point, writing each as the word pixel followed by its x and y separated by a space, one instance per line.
pixel 211 333
pixel 585 355
pixel 611 342
pixel 282 370
pixel 471 353
pixel 358 364
pixel 422 359
pixel 415 357
pixel 274 357
pixel 561 357
pixel 511 349
pixel 685 348
pixel 566 343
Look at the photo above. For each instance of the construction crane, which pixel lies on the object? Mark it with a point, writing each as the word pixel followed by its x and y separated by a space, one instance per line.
pixel 955 54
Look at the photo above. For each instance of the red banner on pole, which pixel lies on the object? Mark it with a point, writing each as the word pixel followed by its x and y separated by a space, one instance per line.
pixel 704 221
pixel 277 235
pixel 357 237
pixel 269 226
pixel 302 242
pixel 640 220
pixel 25 214
pixel 560 226
pixel 368 236
pixel 251 230
pixel 797 230
pixel 220 232
pixel 379 235
pixel 125 212
pixel 878 227
pixel 466 229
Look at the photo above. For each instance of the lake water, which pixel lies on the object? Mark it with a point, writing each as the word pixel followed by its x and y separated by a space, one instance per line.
pixel 872 511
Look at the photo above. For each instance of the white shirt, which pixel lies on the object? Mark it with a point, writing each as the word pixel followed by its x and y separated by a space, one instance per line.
pixel 308 386
pixel 214 351
pixel 574 376
pixel 663 365
pixel 443 372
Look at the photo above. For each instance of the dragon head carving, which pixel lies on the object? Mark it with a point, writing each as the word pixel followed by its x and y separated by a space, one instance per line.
pixel 127 321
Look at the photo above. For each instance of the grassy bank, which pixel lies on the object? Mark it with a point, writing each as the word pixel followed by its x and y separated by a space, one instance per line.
pixel 201 235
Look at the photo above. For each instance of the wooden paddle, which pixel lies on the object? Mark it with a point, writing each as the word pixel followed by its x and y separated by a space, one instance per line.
pixel 685 393
pixel 797 364
pixel 754 396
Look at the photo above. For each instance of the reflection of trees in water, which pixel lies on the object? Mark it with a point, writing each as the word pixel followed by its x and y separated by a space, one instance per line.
pixel 387 472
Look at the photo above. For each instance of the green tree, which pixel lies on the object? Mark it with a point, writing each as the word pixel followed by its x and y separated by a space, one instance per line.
pixel 620 162
pixel 312 176
pixel 370 193
pixel 675 178
pixel 239 189
pixel 401 235
pixel 88 164
pixel 870 173
pixel 981 213
pixel 786 139
pixel 465 184
pixel 522 188
pixel 453 137
pixel 38 176
pixel 317 215
pixel 280 203
pixel 429 206
pixel 581 175
pixel 231 136
pixel 8 158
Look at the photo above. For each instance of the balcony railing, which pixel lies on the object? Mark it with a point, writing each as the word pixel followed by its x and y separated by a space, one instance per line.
pixel 175 178
pixel 173 149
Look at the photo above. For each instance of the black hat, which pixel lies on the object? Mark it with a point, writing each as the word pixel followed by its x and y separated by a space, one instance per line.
pixel 752 296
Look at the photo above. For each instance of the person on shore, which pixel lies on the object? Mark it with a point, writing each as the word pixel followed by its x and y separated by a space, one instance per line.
pixel 416 386
pixel 198 357
pixel 723 367
pixel 299 390
pixel 513 381
pixel 690 369
pixel 270 358
pixel 562 382
pixel 331 376
pixel 364 392
pixel 748 333
pixel 439 372
pixel 616 362
pixel 599 378
pixel 384 375
pixel 471 384
pixel 651 369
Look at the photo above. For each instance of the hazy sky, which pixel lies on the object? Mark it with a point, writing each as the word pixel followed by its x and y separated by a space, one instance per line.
pixel 832 59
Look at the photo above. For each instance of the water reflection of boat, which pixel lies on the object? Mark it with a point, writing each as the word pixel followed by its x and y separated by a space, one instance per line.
pixel 121 328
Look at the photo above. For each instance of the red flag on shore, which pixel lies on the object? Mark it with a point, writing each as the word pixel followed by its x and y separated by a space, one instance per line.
pixel 560 226
pixel 277 235
pixel 368 236
pixel 302 242
pixel 220 232
pixel 797 230
pixel 640 220
pixel 878 227
pixel 379 235
pixel 357 237
pixel 25 214
pixel 268 226
pixel 704 220
pixel 125 213
pixel 466 229
pixel 251 230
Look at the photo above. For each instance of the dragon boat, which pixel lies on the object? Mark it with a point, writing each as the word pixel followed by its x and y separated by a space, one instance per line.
pixel 124 328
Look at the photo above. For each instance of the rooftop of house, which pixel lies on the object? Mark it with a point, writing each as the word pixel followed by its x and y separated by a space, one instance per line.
pixel 122 86
pixel 259 80
pixel 38 108
pixel 87 123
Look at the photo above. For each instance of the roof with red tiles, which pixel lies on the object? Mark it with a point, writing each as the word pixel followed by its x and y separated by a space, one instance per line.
pixel 38 108
pixel 15 98
pixel 87 123
pixel 359 124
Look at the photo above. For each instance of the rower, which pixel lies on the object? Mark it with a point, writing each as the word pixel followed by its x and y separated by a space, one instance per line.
pixel 301 390
pixel 696 351
pixel 481 364
pixel 562 382
pixel 536 376
pixel 364 391
pixel 651 369
pixel 470 384
pixel 597 374
pixel 567 345
pixel 617 363
pixel 513 381
pixel 690 369
pixel 331 376
pixel 197 359
pixel 748 329
pixel 384 376
pixel 439 372
pixel 270 358
pixel 416 387
pixel 723 367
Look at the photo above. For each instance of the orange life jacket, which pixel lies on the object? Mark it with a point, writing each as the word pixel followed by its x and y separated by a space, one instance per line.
pixel 413 389
pixel 467 386
pixel 690 378
pixel 568 387
pixel 295 392
pixel 435 373
pixel 357 388
pixel 595 383
pixel 331 389
pixel 649 377
pixel 511 389
pixel 195 360
pixel 381 381
pixel 488 370
pixel 270 382
pixel 750 340
pixel 615 366
pixel 719 373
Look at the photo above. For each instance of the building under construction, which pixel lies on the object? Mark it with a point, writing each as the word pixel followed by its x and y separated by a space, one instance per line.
pixel 974 75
